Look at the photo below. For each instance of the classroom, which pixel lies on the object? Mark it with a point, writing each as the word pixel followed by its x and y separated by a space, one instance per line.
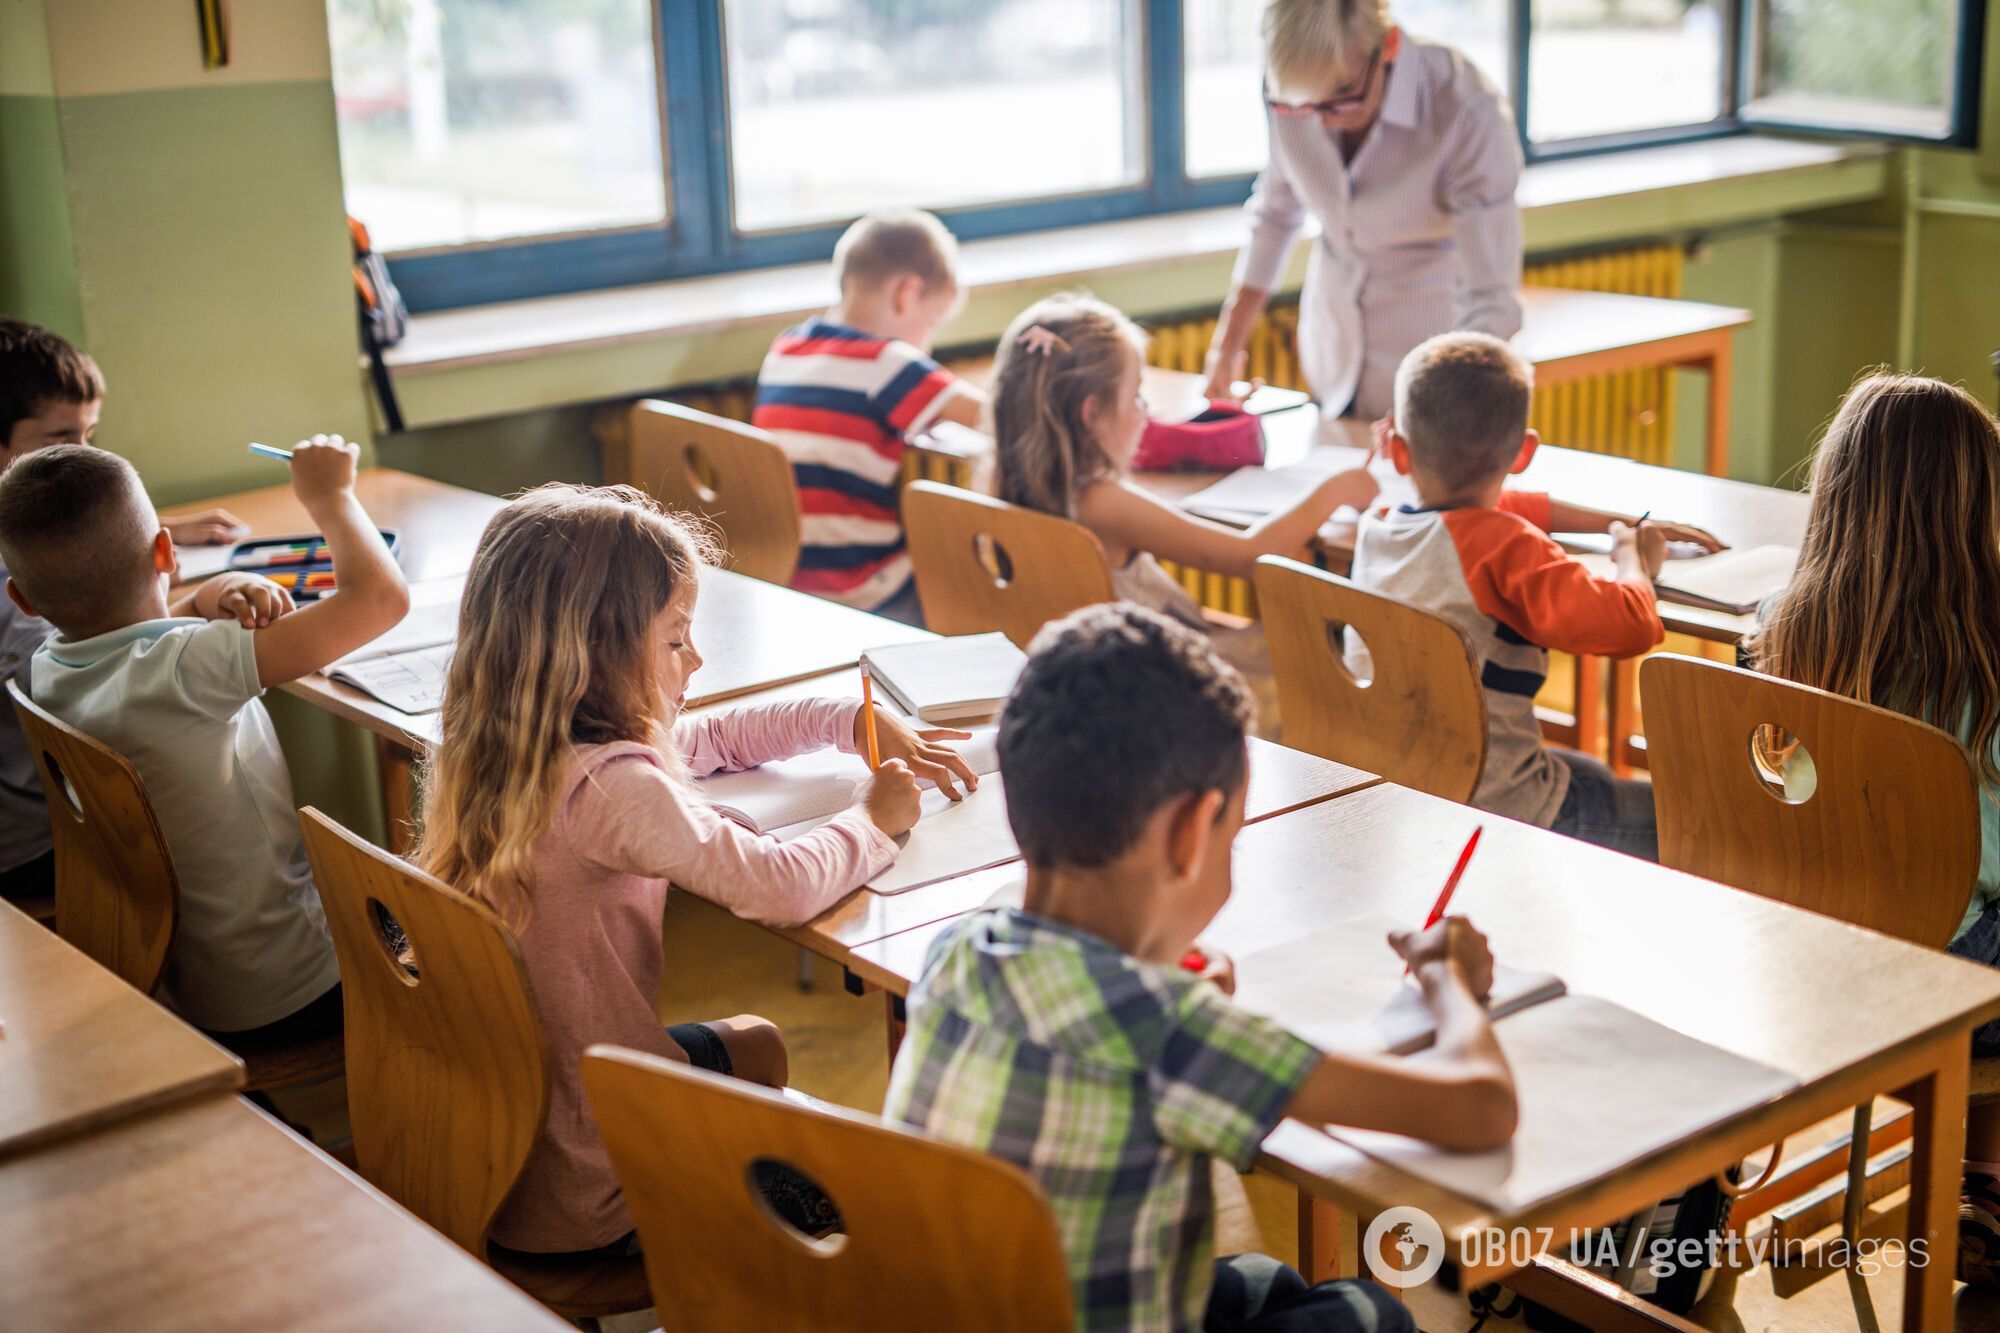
pixel 1000 664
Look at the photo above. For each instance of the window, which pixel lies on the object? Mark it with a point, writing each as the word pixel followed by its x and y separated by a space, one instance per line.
pixel 482 120
pixel 500 149
pixel 1605 67
pixel 1867 65
pixel 840 106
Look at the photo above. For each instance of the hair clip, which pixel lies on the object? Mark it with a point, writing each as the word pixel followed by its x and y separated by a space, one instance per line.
pixel 1043 341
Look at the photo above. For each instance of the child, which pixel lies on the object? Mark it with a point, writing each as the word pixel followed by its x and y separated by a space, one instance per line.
pixel 1894 603
pixel 560 798
pixel 1068 415
pixel 842 394
pixel 50 393
pixel 1481 556
pixel 178 698
pixel 1067 1038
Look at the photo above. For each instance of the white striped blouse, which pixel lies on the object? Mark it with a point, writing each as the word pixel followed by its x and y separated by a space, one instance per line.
pixel 1418 235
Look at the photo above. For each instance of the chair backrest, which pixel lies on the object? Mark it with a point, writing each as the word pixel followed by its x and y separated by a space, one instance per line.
pixel 933 1235
pixel 731 473
pixel 1888 837
pixel 447 1075
pixel 117 897
pixel 1421 719
pixel 983 564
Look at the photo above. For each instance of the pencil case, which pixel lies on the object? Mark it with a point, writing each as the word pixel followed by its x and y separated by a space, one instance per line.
pixel 1220 439
pixel 302 565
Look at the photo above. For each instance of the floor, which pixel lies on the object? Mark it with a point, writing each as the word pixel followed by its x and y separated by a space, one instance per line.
pixel 717 966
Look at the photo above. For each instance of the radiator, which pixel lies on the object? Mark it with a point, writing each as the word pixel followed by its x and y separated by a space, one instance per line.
pixel 1630 414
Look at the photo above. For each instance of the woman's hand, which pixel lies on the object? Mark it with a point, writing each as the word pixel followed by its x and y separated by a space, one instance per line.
pixel 921 751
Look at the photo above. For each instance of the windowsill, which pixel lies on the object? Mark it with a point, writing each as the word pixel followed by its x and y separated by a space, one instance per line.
pixel 1655 191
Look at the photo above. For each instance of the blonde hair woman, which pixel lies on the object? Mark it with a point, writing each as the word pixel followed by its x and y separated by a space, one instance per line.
pixel 1408 158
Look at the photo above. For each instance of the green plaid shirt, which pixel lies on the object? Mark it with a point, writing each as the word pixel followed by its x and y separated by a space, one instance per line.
pixel 1111 1082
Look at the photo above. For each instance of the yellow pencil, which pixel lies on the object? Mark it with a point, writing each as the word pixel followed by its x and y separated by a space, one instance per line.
pixel 868 708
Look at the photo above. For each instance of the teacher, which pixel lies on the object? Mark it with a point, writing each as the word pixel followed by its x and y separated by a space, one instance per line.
pixel 1407 157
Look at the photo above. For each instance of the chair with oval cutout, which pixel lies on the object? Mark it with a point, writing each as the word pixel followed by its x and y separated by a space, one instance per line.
pixel 933 1235
pixel 983 564
pixel 117 892
pixel 1421 721
pixel 448 1084
pixel 732 474
pixel 1887 836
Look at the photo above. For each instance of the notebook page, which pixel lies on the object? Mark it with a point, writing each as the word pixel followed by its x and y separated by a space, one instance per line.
pixel 1252 493
pixel 411 682
pixel 787 796
pixel 951 838
pixel 1600 1087
pixel 432 620
pixel 201 562
pixel 1730 580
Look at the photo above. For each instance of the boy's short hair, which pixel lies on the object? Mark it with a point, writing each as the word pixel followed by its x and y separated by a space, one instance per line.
pixel 1119 711
pixel 1310 46
pixel 1462 405
pixel 37 367
pixel 76 530
pixel 896 243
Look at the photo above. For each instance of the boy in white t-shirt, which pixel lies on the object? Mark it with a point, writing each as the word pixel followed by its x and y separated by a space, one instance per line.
pixel 177 696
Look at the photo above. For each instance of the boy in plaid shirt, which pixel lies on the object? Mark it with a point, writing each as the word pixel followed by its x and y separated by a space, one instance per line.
pixel 1066 1036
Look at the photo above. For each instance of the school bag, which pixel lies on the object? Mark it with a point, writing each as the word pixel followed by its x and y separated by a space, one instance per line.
pixel 384 317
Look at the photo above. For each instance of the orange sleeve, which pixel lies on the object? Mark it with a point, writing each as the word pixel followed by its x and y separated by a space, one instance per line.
pixel 1524 580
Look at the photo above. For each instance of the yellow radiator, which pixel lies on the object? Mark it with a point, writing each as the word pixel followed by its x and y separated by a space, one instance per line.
pixel 1631 413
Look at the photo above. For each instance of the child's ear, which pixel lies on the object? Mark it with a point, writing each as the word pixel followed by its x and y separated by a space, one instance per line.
pixel 1190 830
pixel 164 559
pixel 20 599
pixel 907 294
pixel 1392 45
pixel 1399 452
pixel 1529 443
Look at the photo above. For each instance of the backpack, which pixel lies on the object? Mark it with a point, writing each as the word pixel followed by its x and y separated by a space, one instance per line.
pixel 384 317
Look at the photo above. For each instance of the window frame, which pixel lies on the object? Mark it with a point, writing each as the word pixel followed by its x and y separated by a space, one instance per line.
pixel 699 237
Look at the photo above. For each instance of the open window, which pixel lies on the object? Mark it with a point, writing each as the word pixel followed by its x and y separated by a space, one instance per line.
pixel 1894 69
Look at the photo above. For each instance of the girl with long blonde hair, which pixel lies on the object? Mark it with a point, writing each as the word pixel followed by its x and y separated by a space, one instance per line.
pixel 560 798
pixel 1068 416
pixel 1896 602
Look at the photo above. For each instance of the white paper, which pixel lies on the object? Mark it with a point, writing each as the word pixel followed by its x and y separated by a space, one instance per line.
pixel 410 682
pixel 1600 1088
pixel 432 621
pixel 201 562
pixel 952 839
pixel 788 796
pixel 1252 493
pixel 1733 581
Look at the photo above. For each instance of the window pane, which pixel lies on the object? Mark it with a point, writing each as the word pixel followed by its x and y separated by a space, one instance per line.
pixel 1612 66
pixel 1226 133
pixel 1867 64
pixel 840 106
pixel 478 120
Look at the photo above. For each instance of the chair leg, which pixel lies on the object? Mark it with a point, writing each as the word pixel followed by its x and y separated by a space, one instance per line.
pixel 1857 1175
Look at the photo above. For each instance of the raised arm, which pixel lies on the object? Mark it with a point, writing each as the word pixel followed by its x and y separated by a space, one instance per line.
pixel 1122 514
pixel 372 596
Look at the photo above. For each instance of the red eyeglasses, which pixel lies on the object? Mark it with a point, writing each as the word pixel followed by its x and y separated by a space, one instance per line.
pixel 1339 102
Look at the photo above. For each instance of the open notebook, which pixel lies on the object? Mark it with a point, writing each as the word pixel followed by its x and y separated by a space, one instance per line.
pixel 1250 494
pixel 412 682
pixel 790 797
pixel 1732 581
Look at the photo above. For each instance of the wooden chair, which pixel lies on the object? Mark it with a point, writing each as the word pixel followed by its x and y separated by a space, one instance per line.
pixel 934 1236
pixel 1888 838
pixel 1420 722
pixel 117 893
pixel 983 564
pixel 733 474
pixel 448 1084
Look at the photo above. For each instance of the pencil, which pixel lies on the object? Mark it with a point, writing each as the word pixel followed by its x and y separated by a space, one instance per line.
pixel 271 451
pixel 868 709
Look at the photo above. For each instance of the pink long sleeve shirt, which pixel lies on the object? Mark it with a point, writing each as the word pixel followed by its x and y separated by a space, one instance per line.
pixel 624 827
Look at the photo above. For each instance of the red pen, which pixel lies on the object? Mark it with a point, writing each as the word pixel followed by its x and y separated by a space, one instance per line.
pixel 1451 884
pixel 1194 960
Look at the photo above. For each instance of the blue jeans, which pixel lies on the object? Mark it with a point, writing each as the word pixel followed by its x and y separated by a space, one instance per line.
pixel 1981 944
pixel 1254 1293
pixel 1607 810
pixel 904 606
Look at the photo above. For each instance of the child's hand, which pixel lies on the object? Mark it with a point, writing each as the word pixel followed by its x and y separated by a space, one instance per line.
pixel 1638 551
pixel 323 471
pixel 919 750
pixel 890 798
pixel 1688 532
pixel 1356 487
pixel 1452 940
pixel 251 600
pixel 211 527
pixel 1379 431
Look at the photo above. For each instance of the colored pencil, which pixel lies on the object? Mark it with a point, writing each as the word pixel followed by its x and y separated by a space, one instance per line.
pixel 271 451
pixel 868 709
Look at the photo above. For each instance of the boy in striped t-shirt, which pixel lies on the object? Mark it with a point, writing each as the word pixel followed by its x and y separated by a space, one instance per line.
pixel 843 392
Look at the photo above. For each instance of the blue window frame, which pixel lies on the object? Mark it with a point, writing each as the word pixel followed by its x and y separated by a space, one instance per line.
pixel 701 235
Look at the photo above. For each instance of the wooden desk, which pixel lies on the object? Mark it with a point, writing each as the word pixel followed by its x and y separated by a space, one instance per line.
pixel 211 1215
pixel 1573 335
pixel 81 1049
pixel 1764 981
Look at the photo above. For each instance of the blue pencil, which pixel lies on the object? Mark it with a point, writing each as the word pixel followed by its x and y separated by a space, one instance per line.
pixel 271 451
